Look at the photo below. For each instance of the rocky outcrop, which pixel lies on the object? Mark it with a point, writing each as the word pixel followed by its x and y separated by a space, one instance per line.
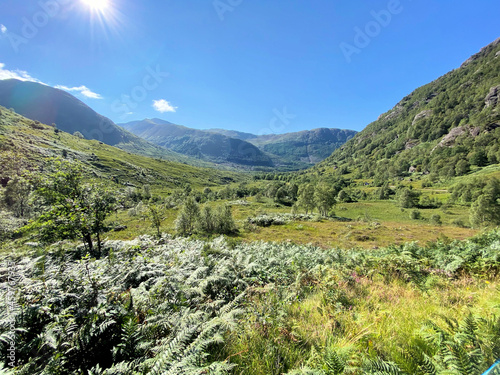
pixel 422 115
pixel 411 143
pixel 492 98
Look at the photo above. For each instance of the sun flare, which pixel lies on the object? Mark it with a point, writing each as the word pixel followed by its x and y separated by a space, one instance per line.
pixel 97 5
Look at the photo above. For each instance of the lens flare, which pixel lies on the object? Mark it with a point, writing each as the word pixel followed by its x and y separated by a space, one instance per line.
pixel 97 5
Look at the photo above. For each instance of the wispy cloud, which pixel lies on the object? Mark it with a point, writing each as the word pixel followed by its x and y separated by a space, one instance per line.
pixel 84 90
pixel 3 29
pixel 163 106
pixel 16 74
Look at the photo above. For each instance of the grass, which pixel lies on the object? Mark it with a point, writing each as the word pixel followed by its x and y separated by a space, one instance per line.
pixel 368 316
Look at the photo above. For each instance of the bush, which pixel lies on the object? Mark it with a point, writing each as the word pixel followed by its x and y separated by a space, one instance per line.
pixel 415 215
pixel 436 219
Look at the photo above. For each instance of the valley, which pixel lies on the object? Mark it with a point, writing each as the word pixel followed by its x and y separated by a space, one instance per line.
pixel 148 247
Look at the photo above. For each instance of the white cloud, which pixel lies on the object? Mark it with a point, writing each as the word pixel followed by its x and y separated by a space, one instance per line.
pixel 84 90
pixel 163 106
pixel 16 74
pixel 3 29
pixel 25 76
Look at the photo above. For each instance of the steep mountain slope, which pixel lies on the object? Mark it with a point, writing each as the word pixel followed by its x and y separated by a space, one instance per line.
pixel 25 144
pixel 49 105
pixel 441 128
pixel 201 144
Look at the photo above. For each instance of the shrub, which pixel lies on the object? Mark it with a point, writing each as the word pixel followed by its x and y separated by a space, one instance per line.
pixel 436 219
pixel 415 215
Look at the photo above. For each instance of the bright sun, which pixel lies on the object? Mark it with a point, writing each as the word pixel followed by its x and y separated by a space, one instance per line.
pixel 98 5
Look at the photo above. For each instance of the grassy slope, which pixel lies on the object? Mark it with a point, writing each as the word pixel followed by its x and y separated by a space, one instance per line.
pixel 35 144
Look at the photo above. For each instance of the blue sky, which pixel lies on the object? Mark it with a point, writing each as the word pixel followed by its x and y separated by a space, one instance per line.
pixel 260 66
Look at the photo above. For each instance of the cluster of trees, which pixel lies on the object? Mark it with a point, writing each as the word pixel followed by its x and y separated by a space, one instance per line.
pixel 205 220
pixel 483 196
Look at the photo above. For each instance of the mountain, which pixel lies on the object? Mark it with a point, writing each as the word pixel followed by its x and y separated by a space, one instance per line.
pixel 306 147
pixel 299 150
pixel 290 151
pixel 26 144
pixel 443 128
pixel 201 144
pixel 233 134
pixel 49 105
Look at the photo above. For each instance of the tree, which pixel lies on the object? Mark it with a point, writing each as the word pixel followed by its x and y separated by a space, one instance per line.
pixel 224 220
pixel 188 217
pixel 68 208
pixel 479 158
pixel 156 214
pixel 462 167
pixel 16 196
pixel 407 198
pixel 306 198
pixel 485 211
pixel 207 221
pixel 324 197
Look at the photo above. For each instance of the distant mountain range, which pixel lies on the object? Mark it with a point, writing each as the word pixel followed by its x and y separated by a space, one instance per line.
pixel 281 151
pixel 159 138
pixel 200 144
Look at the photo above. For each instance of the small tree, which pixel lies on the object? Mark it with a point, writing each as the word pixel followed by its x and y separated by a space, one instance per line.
pixel 68 208
pixel 306 198
pixel 485 211
pixel 16 196
pixel 156 214
pixel 188 217
pixel 407 198
pixel 324 198
pixel 207 221
pixel 224 220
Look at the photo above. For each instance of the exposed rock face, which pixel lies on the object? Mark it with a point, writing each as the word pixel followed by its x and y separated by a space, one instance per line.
pixel 411 143
pixel 497 54
pixel 449 139
pixel 422 115
pixel 491 99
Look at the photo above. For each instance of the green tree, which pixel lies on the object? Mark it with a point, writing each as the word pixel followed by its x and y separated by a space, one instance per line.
pixel 324 197
pixel 16 196
pixel 306 198
pixel 224 220
pixel 156 214
pixel 70 209
pixel 462 168
pixel 207 222
pixel 485 211
pixel 407 198
pixel 479 158
pixel 188 217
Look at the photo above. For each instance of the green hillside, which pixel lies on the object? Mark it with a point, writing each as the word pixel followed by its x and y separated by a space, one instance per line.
pixel 29 144
pixel 441 128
